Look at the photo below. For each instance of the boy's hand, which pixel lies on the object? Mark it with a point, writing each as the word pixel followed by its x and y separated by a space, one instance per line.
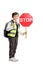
pixel 25 33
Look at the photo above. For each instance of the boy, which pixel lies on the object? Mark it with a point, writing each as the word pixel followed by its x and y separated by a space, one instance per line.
pixel 12 34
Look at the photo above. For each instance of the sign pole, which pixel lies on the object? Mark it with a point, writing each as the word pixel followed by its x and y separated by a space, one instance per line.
pixel 26 32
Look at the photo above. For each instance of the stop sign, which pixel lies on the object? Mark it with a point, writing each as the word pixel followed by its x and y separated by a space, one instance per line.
pixel 25 19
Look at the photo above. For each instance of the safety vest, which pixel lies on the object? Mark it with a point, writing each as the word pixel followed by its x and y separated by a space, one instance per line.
pixel 12 33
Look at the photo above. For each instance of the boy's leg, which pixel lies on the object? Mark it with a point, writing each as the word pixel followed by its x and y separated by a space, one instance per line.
pixel 15 45
pixel 11 47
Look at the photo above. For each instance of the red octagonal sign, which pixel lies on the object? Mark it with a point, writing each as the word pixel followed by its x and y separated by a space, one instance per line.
pixel 25 19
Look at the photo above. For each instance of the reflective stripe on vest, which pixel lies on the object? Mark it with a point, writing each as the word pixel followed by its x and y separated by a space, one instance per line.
pixel 13 31
pixel 11 35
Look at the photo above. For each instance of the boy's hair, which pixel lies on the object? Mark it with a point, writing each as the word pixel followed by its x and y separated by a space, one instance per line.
pixel 15 13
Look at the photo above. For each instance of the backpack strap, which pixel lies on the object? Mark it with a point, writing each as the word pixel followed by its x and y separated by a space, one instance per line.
pixel 6 26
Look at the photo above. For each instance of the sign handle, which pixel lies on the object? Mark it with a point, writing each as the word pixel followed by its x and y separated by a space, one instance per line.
pixel 26 32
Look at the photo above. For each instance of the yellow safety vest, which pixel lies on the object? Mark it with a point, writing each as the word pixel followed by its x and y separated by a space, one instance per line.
pixel 12 32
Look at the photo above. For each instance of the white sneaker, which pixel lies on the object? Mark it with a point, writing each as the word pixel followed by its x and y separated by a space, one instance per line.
pixel 13 59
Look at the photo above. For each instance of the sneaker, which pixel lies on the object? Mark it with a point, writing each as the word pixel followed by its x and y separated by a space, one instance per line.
pixel 13 59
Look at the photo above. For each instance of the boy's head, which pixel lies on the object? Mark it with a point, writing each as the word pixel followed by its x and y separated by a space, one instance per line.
pixel 15 15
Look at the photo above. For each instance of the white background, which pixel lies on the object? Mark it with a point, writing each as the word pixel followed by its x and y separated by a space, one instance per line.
pixel 30 50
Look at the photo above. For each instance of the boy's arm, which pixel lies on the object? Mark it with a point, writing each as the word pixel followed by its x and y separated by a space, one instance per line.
pixel 9 27
pixel 22 33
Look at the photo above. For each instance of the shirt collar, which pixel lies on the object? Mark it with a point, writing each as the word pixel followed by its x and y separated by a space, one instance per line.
pixel 14 21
